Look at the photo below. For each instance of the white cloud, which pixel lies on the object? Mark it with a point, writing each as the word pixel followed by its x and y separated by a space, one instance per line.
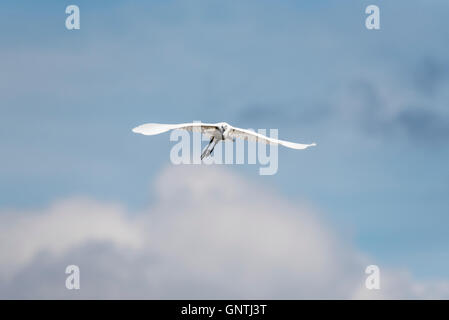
pixel 55 230
pixel 210 234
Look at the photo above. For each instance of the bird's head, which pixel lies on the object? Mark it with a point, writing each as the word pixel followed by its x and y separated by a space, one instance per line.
pixel 223 125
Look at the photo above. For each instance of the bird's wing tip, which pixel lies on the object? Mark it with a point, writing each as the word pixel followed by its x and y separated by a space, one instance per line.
pixel 135 130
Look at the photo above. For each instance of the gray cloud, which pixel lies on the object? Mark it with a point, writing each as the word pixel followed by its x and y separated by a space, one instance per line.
pixel 394 112
pixel 429 75
pixel 424 124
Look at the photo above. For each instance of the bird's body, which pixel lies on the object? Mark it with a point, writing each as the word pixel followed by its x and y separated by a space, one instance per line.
pixel 218 132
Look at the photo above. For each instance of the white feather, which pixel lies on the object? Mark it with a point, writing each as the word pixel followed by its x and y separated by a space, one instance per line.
pixel 216 130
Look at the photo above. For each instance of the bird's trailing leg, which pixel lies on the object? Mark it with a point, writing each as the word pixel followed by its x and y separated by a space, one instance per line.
pixel 210 148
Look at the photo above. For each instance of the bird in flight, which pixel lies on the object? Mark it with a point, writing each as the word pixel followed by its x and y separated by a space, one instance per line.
pixel 220 131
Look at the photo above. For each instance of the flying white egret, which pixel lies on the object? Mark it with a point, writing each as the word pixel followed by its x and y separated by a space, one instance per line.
pixel 218 132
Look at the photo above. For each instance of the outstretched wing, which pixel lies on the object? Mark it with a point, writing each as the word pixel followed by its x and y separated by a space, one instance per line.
pixel 150 129
pixel 254 136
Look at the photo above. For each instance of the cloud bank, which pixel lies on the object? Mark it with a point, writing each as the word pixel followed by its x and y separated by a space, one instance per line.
pixel 209 234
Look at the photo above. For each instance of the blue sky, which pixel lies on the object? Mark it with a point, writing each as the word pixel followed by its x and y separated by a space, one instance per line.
pixel 376 102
